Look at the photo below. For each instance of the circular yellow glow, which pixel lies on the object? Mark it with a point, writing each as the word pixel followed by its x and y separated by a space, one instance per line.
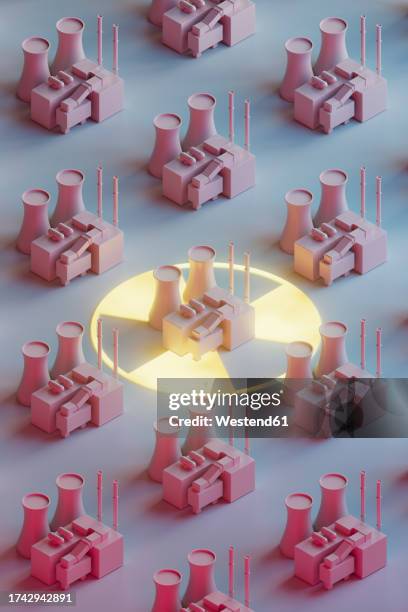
pixel 283 314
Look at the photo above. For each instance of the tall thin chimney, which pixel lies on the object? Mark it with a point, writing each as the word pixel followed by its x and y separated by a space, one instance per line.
pixel 247 257
pixel 379 346
pixel 247 124
pixel 231 111
pixel 115 201
pixel 363 40
pixel 231 267
pixel 100 335
pixel 115 352
pixel 362 495
pixel 363 344
pixel 99 490
pixel 378 499
pixel 115 30
pixel 379 199
pixel 231 567
pixel 100 31
pixel 247 564
pixel 99 174
pixel 379 49
pixel 363 191
pixel 247 448
pixel 115 500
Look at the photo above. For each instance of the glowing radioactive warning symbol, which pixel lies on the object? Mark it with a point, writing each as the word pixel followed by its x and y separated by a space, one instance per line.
pixel 283 314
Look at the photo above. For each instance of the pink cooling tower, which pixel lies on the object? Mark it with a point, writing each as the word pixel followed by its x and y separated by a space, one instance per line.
pixel 35 526
pixel 166 451
pixel 167 144
pixel 35 69
pixel 70 202
pixel 298 357
pixel 201 581
pixel 333 502
pixel 167 295
pixel 298 68
pixel 35 221
pixel 298 219
pixel 70 353
pixel 167 598
pixel 201 276
pixel 333 44
pixel 333 200
pixel 70 49
pixel 70 504
pixel 333 351
pixel 298 522
pixel 35 374
pixel 201 125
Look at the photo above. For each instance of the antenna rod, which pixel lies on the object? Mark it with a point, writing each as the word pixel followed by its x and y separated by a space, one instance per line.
pixel 247 124
pixel 99 489
pixel 99 174
pixel 379 200
pixel 231 109
pixel 100 334
pixel 100 22
pixel 379 498
pixel 247 562
pixel 362 495
pixel 379 346
pixel 363 191
pixel 115 30
pixel 363 40
pixel 247 258
pixel 363 344
pixel 231 267
pixel 231 566
pixel 379 49
pixel 115 352
pixel 115 498
pixel 115 201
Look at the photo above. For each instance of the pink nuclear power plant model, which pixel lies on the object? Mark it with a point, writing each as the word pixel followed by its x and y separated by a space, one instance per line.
pixel 337 88
pixel 194 26
pixel 339 545
pixel 75 88
pixel 74 241
pixel 78 545
pixel 337 241
pixel 313 398
pixel 210 317
pixel 205 165
pixel 201 594
pixel 75 393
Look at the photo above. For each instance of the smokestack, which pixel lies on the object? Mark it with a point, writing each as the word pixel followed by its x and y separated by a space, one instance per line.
pixel 247 257
pixel 99 334
pixel 231 429
pixel 379 49
pixel 363 40
pixel 231 267
pixel 231 567
pixel 362 191
pixel 231 110
pixel 99 488
pixel 99 174
pixel 363 343
pixel 247 124
pixel 247 448
pixel 362 495
pixel 99 30
pixel 115 201
pixel 378 499
pixel 379 346
pixel 379 200
pixel 115 352
pixel 247 564
pixel 115 499
pixel 115 30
